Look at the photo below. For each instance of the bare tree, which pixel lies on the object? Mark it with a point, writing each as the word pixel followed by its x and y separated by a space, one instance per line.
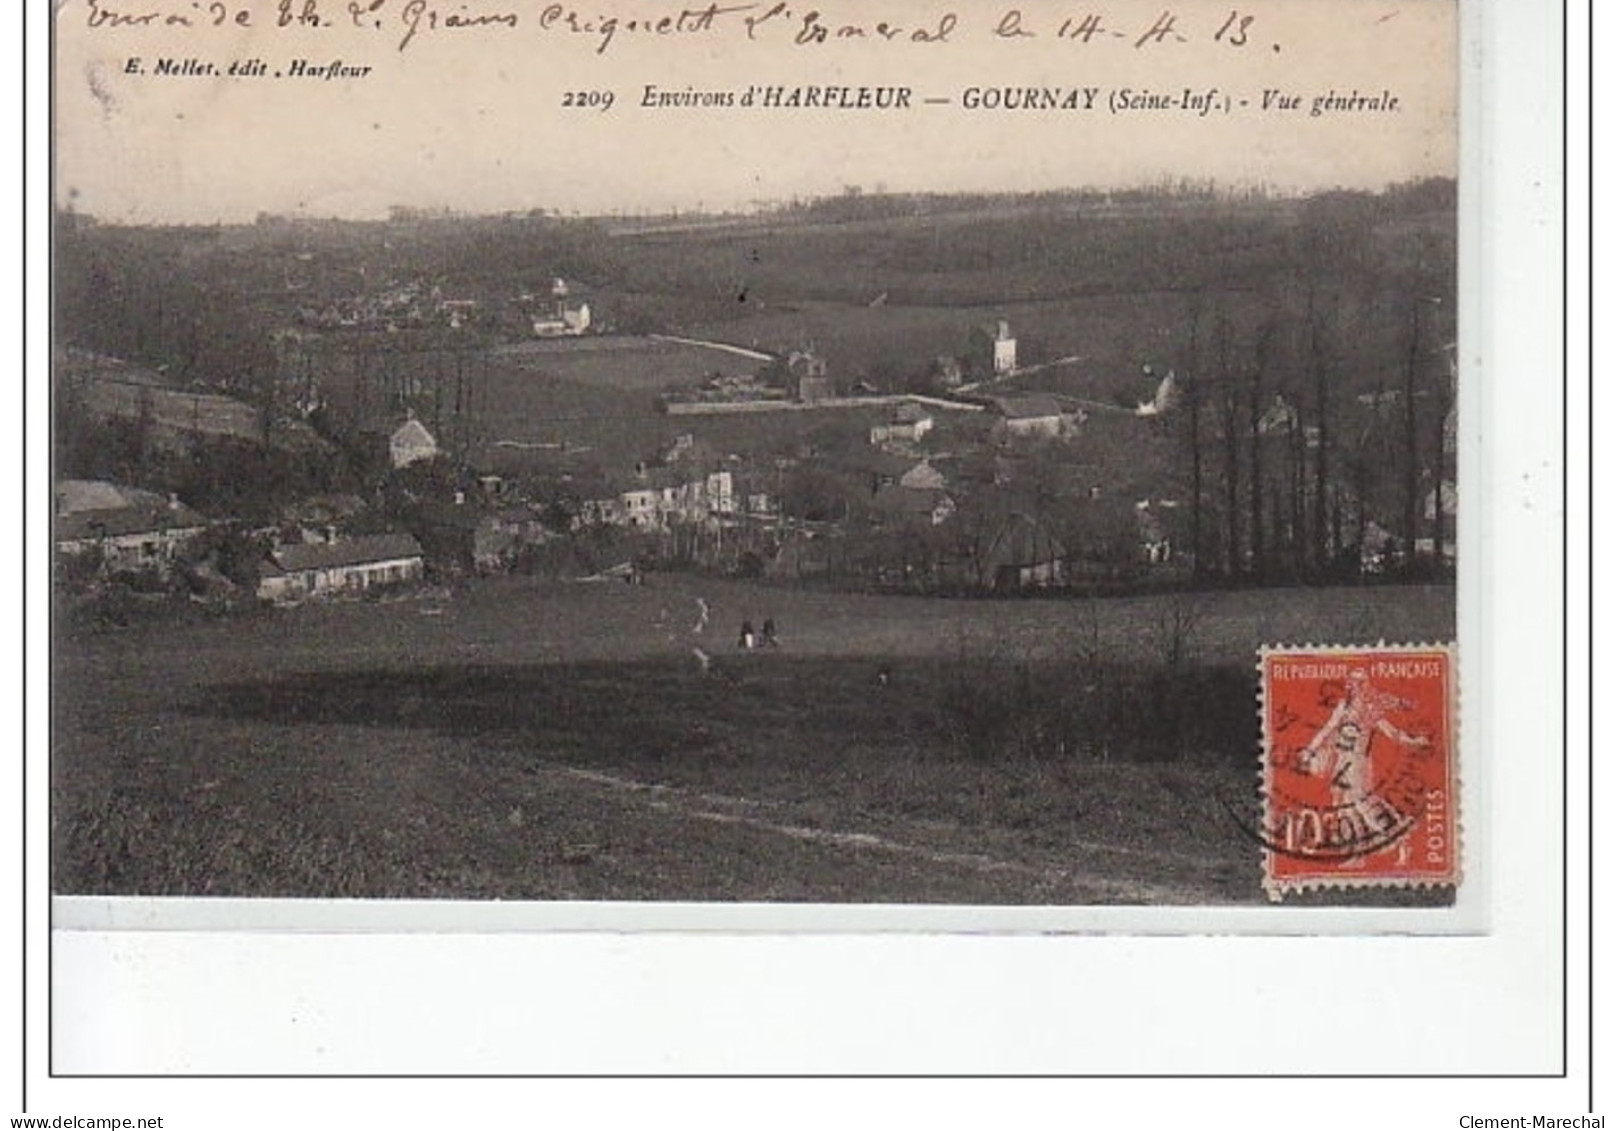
pixel 1255 392
pixel 1410 430
pixel 1189 382
pixel 1229 404
pixel 1325 536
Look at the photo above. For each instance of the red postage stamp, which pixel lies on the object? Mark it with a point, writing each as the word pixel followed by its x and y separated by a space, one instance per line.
pixel 1359 783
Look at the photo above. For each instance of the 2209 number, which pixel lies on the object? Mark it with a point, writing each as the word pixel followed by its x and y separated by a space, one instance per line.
pixel 588 99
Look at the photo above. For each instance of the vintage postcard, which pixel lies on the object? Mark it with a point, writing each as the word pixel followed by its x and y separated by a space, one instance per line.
pixel 989 457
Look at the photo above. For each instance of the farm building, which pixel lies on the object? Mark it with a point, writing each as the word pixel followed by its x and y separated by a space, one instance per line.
pixel 131 528
pixel 1024 555
pixel 350 565
pixel 411 443
pixel 1032 414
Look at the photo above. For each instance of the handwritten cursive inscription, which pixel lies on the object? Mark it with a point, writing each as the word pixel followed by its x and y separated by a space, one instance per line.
pixel 776 21
pixel 418 14
pixel 604 29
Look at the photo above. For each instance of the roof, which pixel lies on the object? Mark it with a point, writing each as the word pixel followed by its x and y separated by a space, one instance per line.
pixel 350 551
pixel 1033 406
pixel 73 495
pixel 118 522
pixel 93 508
pixel 413 432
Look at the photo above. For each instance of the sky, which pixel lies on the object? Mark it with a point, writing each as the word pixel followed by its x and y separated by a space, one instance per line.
pixel 473 118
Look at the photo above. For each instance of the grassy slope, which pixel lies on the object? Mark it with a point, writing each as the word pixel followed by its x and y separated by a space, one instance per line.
pixel 505 743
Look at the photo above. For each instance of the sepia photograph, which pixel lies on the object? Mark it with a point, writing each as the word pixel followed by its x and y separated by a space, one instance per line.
pixel 757 455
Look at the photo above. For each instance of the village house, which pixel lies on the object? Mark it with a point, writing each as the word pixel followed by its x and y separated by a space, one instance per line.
pixel 601 510
pixel 132 529
pixel 659 497
pixel 350 565
pixel 569 322
pixel 562 319
pixel 1032 414
pixel 909 425
pixel 411 443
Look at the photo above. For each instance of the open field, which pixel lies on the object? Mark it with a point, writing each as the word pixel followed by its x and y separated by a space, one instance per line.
pixel 624 362
pixel 523 740
pixel 1110 337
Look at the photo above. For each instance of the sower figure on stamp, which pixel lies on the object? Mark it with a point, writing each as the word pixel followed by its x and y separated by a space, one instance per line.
pixel 1341 748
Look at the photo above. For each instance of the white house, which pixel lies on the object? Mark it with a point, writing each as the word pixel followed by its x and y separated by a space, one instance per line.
pixel 411 443
pixel 909 424
pixel 132 529
pixel 565 322
pixel 922 477
pixel 562 319
pixel 350 565
pixel 1033 414
pixel 662 496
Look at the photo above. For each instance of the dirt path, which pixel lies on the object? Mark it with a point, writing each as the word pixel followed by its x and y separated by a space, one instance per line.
pixel 777 818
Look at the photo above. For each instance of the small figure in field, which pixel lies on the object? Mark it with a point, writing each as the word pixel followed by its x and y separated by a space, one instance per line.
pixel 770 633
pixel 884 677
pixel 748 636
